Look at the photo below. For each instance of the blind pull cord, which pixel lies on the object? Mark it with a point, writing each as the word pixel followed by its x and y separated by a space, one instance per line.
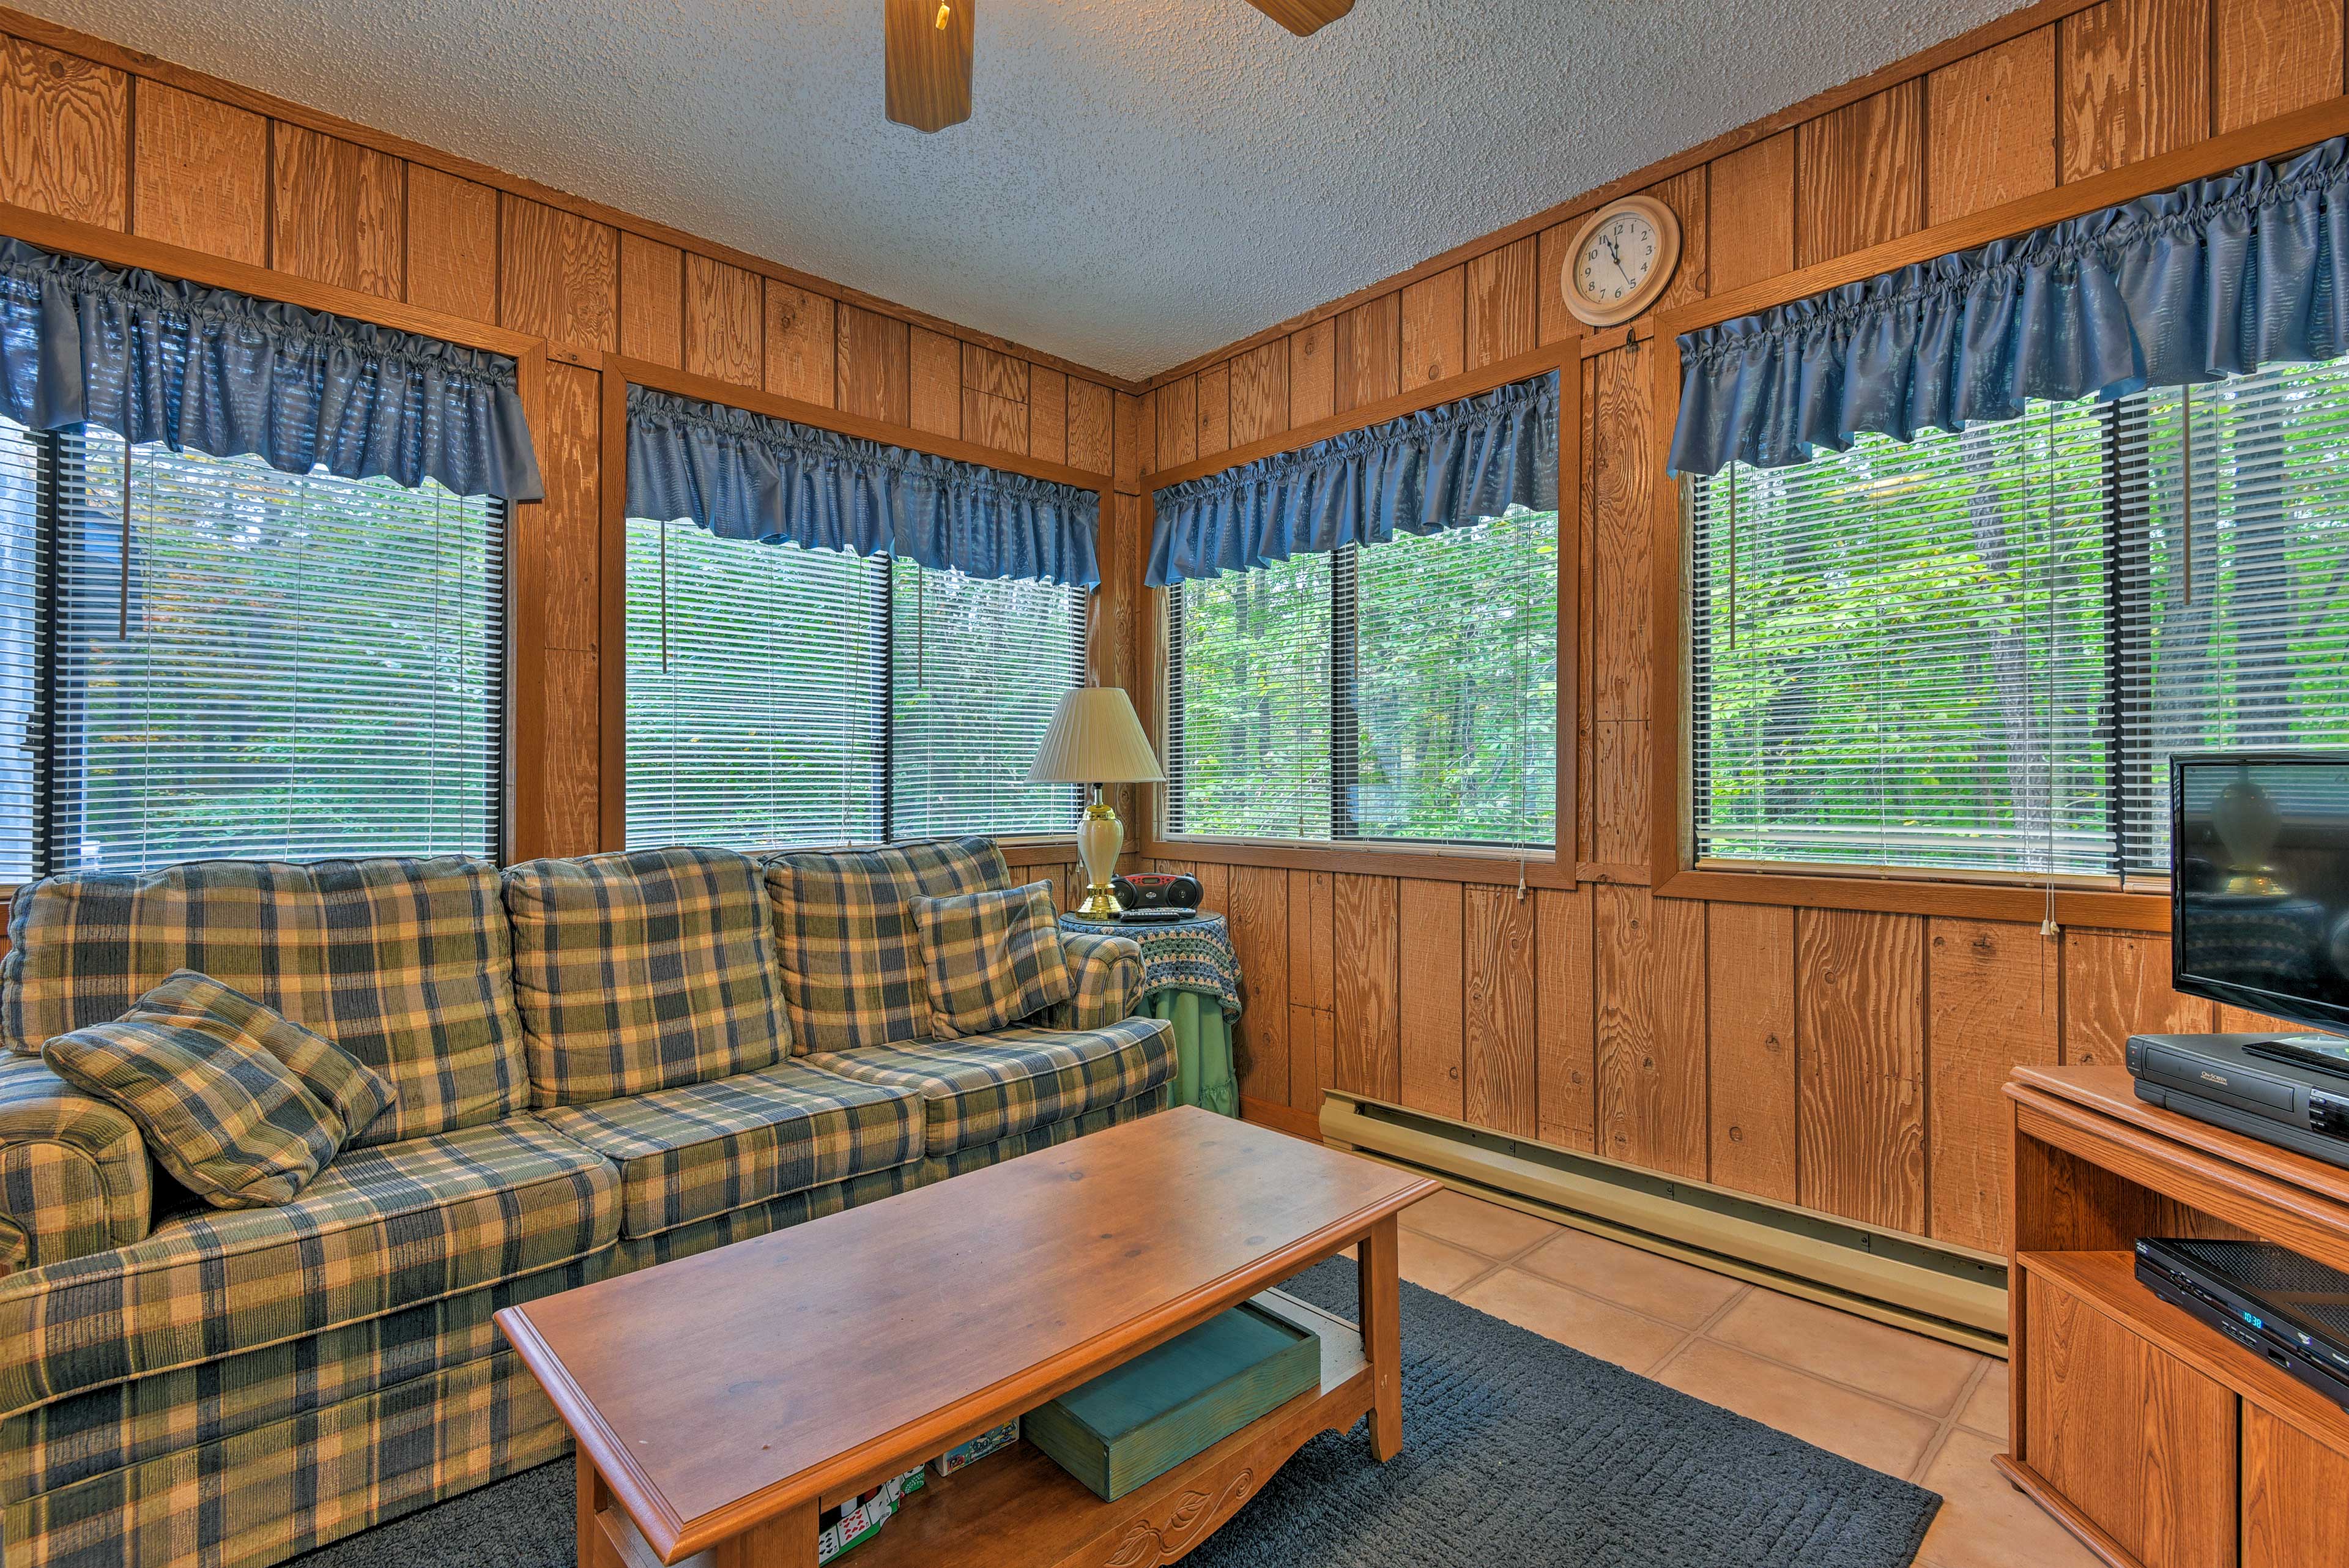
pixel 122 585
pixel 1093 628
pixel 1732 555
pixel 2186 462
pixel 2048 926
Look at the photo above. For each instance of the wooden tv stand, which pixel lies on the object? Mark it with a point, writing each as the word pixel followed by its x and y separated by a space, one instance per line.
pixel 2155 1439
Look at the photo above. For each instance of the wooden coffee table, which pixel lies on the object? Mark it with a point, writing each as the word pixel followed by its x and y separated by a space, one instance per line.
pixel 721 1402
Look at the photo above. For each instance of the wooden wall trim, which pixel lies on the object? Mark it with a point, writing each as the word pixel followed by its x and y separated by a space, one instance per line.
pixel 1562 357
pixel 2286 134
pixel 520 833
pixel 1990 33
pixel 118 249
pixel 734 395
pixel 2012 902
pixel 136 62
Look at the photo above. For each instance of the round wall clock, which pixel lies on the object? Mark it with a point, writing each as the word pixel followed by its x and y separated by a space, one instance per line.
pixel 1621 259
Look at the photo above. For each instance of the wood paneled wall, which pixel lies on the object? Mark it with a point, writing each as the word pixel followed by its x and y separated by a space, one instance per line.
pixel 92 132
pixel 1845 1061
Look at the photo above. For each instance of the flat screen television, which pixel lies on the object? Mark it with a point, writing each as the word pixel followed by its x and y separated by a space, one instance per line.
pixel 2258 903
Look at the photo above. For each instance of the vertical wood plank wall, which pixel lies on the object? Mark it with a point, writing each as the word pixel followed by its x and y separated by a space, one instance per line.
pixel 1845 1061
pixel 87 134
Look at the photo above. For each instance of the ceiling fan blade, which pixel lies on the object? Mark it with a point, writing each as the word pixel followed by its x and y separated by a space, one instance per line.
pixel 1304 18
pixel 928 50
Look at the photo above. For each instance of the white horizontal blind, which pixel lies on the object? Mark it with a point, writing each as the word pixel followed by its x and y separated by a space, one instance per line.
pixel 24 556
pixel 1406 692
pixel 756 677
pixel 1247 737
pixel 2240 640
pixel 977 668
pixel 1900 654
pixel 1453 736
pixel 294 666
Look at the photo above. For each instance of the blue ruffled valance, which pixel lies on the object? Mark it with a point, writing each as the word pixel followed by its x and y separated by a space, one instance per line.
pixel 2214 278
pixel 746 476
pixel 161 360
pixel 1445 467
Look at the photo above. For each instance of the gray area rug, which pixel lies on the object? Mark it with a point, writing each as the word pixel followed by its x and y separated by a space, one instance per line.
pixel 1515 1451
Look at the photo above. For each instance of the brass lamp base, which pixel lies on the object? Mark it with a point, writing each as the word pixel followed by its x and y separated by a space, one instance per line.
pixel 1100 838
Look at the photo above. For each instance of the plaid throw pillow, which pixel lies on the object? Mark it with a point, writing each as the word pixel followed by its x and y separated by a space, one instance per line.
pixel 991 959
pixel 240 1103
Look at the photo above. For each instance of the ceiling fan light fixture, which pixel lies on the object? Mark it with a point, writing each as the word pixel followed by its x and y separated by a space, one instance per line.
pixel 926 53
pixel 1304 18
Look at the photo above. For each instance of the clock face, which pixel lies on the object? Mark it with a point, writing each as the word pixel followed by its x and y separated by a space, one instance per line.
pixel 1616 257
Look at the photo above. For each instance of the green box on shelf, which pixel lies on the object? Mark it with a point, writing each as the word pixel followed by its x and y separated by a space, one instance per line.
pixel 1135 1422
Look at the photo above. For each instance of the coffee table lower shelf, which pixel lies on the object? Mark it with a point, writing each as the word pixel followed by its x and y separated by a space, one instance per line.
pixel 1019 1508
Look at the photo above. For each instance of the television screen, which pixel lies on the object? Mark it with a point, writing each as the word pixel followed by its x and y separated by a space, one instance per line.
pixel 2260 882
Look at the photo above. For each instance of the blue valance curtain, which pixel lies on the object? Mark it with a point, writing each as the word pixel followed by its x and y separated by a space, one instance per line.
pixel 1445 467
pixel 156 358
pixel 2212 279
pixel 748 476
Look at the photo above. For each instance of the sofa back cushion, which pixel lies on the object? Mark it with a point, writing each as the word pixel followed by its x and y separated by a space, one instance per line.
pixel 642 970
pixel 851 959
pixel 403 963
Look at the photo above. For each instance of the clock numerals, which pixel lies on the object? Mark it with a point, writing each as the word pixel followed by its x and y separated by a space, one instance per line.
pixel 1621 262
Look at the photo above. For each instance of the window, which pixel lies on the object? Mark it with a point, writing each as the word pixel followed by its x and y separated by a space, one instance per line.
pixel 1976 653
pixel 1407 692
pixel 292 665
pixel 781 695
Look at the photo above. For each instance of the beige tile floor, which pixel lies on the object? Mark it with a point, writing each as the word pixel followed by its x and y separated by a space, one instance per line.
pixel 1906 1405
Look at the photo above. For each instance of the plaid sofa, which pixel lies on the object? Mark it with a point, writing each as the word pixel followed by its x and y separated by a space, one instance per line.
pixel 602 1063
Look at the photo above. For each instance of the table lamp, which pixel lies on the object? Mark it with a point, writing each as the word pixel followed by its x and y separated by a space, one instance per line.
pixel 1096 739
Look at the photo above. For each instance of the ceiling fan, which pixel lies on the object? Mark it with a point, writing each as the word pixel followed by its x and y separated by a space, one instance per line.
pixel 929 53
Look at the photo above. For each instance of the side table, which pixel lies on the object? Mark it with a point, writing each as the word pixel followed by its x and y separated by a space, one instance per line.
pixel 1191 978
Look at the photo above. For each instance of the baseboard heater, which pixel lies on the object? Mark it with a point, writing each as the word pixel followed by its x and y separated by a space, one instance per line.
pixel 1950 1294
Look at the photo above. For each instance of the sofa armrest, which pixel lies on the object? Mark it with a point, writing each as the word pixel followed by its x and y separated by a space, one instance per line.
pixel 1108 968
pixel 73 1170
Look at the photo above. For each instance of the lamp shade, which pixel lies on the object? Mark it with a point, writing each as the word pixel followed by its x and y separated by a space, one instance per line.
pixel 1095 738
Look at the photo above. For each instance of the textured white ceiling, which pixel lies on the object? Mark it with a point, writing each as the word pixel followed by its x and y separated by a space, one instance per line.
pixel 1142 180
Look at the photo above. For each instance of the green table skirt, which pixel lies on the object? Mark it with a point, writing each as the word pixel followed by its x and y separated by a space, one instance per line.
pixel 1203 1048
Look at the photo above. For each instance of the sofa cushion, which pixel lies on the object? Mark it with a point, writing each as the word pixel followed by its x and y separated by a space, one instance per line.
pixel 196 1066
pixel 852 967
pixel 990 959
pixel 643 970
pixel 404 963
pixel 995 1087
pixel 73 1170
pixel 380 1230
pixel 704 1149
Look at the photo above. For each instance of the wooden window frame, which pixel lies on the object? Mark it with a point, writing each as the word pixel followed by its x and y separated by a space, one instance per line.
pixel 1671 825
pixel 620 373
pixel 520 833
pixel 1552 868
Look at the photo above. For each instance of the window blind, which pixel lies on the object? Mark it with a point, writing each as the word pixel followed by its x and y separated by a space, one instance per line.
pixel 978 668
pixel 1978 652
pixel 755 680
pixel 1899 652
pixel 23 559
pixel 292 666
pixel 1248 683
pixel 1406 692
pixel 2239 639
pixel 781 695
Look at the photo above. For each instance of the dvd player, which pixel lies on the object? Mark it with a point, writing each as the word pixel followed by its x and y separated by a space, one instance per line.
pixel 2288 1310
pixel 2225 1080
